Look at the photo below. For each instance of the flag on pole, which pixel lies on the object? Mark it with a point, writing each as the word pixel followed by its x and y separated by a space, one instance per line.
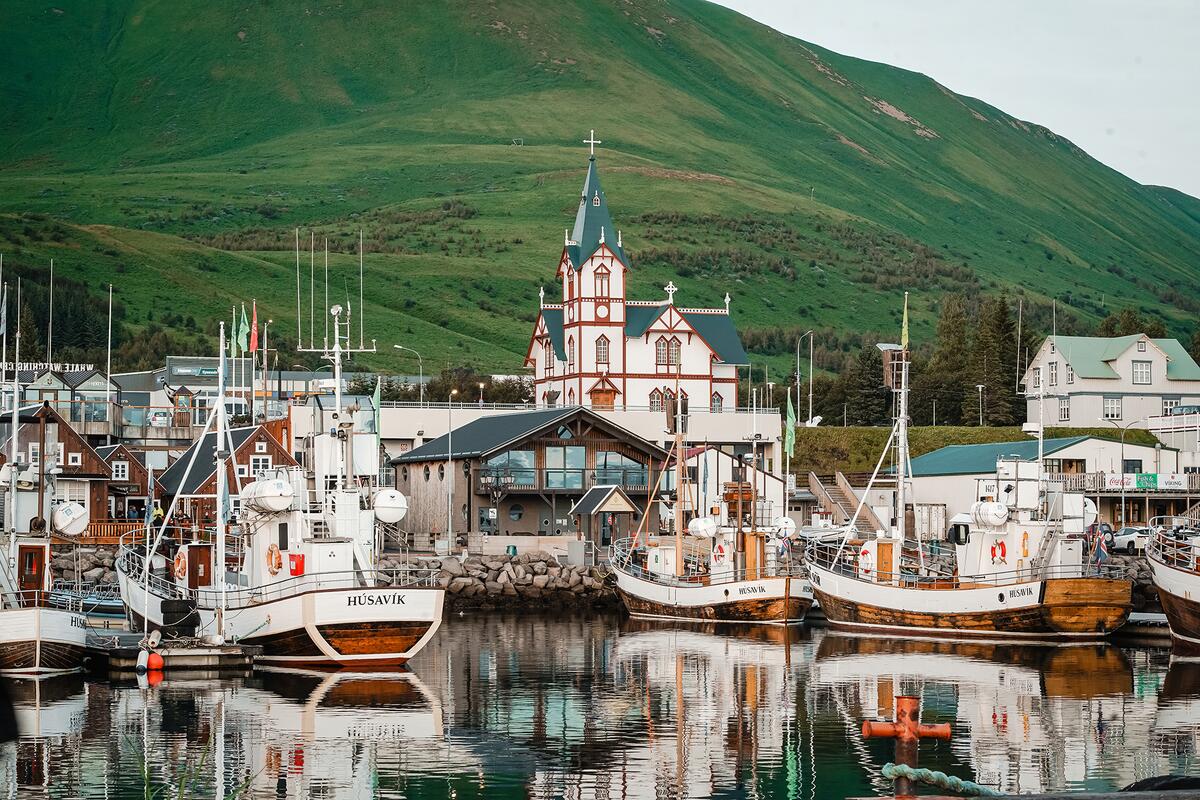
pixel 233 335
pixel 4 311
pixel 243 333
pixel 904 325
pixel 789 433
pixel 254 328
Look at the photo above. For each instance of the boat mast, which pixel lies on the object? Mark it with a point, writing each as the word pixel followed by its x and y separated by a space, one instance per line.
pixel 222 479
pixel 680 477
pixel 14 444
pixel 902 432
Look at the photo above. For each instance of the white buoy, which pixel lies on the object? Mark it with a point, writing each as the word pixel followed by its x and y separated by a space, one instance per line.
pixel 142 661
pixel 390 506
pixel 785 527
pixel 703 527
pixel 268 496
pixel 69 519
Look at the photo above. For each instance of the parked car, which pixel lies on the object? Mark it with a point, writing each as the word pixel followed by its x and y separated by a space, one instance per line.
pixel 1130 540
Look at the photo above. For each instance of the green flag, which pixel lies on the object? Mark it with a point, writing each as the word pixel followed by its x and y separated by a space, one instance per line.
pixel 789 434
pixel 243 332
pixel 233 335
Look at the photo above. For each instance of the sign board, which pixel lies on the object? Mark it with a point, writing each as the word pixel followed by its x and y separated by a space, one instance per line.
pixel 491 513
pixel 1146 481
pixel 56 366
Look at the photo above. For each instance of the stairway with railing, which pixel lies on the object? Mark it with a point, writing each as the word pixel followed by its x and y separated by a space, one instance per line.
pixel 839 499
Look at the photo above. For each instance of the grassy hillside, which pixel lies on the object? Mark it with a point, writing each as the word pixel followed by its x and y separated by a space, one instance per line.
pixel 178 151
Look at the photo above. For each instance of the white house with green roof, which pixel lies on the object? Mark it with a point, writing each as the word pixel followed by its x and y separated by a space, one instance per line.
pixel 597 349
pixel 1123 381
pixel 958 475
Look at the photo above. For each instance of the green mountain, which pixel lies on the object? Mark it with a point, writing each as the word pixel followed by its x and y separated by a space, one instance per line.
pixel 173 149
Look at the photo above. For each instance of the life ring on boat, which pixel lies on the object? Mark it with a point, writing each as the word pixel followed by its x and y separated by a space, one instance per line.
pixel 866 562
pixel 180 566
pixel 1025 544
pixel 274 559
pixel 718 554
pixel 999 552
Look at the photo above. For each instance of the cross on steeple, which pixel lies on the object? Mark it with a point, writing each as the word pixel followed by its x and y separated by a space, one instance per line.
pixel 671 289
pixel 591 142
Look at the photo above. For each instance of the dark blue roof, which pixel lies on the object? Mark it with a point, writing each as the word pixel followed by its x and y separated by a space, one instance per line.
pixel 554 326
pixel 714 327
pixel 717 329
pixel 486 434
pixel 591 219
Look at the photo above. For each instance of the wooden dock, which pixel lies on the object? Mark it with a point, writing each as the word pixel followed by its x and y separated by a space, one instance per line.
pixel 117 652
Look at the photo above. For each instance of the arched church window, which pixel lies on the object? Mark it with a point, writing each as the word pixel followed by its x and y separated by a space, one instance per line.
pixel 596 199
pixel 656 400
pixel 660 352
pixel 571 355
pixel 602 350
pixel 602 282
pixel 674 353
pixel 718 403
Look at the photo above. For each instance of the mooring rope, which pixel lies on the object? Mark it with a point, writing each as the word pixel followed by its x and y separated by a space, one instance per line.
pixel 939 779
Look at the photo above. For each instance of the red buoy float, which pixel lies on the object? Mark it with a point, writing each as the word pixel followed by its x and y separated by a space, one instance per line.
pixel 154 663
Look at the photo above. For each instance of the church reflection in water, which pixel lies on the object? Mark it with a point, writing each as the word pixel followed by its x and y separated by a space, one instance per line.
pixel 511 706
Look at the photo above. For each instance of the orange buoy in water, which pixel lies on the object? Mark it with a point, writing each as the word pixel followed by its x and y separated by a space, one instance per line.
pixel 154 662
pixel 154 678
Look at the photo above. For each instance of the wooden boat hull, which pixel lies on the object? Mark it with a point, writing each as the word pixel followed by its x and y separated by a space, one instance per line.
pixel 41 641
pixel 1072 609
pixel 375 627
pixel 775 601
pixel 1179 593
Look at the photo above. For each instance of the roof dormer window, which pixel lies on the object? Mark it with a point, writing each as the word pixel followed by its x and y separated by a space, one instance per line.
pixel 1142 346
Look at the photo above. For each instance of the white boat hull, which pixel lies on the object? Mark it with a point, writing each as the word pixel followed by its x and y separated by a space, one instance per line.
pixel 346 627
pixel 41 641
pixel 780 601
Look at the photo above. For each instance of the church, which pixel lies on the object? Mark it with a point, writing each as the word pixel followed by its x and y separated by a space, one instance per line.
pixel 598 349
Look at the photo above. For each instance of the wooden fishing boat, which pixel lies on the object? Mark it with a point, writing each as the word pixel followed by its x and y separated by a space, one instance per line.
pixel 734 566
pixel 35 637
pixel 1019 569
pixel 297 574
pixel 1174 555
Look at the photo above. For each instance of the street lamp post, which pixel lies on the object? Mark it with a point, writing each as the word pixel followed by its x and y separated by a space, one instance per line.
pixel 1124 430
pixel 450 468
pixel 481 394
pixel 979 388
pixel 420 373
pixel 810 334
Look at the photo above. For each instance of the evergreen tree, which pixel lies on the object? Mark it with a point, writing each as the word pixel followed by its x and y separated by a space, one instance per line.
pixel 1128 322
pixel 1194 347
pixel 869 400
pixel 945 378
pixel 32 348
pixel 995 355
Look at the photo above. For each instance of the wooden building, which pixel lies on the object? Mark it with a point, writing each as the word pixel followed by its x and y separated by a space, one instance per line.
pixel 256 449
pixel 521 473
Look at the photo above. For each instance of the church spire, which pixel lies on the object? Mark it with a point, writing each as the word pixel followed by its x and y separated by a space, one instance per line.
pixel 592 219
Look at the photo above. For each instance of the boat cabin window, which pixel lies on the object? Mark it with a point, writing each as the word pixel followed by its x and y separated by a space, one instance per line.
pixel 959 533
pixel 283 536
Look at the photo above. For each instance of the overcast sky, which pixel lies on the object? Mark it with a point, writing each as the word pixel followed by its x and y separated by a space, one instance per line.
pixel 1120 79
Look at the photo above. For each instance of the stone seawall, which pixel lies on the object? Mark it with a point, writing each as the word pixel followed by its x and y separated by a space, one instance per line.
pixel 534 580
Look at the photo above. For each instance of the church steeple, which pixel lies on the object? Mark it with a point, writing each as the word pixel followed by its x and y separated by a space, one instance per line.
pixel 593 225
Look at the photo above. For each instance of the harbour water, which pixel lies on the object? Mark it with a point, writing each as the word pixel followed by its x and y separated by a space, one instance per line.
pixel 598 707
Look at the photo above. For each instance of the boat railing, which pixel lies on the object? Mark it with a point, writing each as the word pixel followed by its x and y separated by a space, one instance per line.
pixel 39 598
pixel 847 561
pixel 131 562
pixel 1174 549
pixel 621 557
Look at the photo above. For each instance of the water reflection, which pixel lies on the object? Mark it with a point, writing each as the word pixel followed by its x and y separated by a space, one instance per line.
pixel 509 706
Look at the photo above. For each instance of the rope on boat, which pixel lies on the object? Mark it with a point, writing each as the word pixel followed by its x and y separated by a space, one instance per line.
pixel 939 779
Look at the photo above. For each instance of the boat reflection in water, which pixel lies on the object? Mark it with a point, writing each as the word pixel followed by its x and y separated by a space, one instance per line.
pixel 50 713
pixel 525 706
pixel 1025 718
